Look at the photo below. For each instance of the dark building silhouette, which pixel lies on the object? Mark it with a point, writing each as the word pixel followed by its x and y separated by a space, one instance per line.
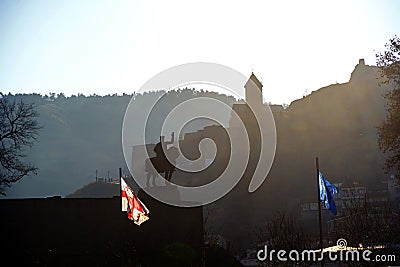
pixel 94 232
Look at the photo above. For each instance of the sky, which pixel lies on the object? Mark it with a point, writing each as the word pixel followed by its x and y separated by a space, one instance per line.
pixel 107 47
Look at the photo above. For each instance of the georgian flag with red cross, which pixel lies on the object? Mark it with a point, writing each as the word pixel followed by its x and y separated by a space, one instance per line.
pixel 136 210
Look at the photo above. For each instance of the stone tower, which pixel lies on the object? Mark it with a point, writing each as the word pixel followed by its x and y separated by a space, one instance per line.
pixel 253 95
pixel 253 91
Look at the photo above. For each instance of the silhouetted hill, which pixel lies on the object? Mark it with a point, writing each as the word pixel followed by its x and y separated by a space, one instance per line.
pixel 83 134
pixel 337 123
pixel 97 189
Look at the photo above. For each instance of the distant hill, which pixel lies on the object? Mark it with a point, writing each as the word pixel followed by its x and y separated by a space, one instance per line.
pixel 97 189
pixel 337 123
pixel 82 134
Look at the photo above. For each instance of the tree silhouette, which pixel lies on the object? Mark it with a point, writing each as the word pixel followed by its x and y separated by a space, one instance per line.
pixel 18 130
pixel 389 131
pixel 368 223
pixel 282 231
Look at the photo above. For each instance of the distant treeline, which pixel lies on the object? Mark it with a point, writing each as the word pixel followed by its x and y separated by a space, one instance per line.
pixel 83 133
pixel 181 92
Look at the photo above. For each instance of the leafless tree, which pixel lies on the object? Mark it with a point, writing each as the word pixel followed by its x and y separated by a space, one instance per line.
pixel 283 231
pixel 18 130
pixel 367 223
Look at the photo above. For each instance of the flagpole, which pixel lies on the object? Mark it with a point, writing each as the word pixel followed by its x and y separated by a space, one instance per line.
pixel 120 184
pixel 121 228
pixel 319 209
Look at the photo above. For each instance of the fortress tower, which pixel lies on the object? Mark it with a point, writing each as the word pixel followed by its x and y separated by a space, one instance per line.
pixel 253 95
pixel 253 90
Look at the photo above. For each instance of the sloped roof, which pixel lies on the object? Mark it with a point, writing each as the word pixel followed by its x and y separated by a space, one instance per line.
pixel 255 80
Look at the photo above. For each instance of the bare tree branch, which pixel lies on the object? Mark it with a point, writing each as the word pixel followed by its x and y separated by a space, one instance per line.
pixel 18 130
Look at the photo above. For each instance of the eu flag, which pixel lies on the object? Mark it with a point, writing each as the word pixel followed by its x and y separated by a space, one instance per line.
pixel 326 193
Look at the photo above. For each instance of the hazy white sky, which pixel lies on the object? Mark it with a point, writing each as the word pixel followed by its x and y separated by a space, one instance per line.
pixel 107 47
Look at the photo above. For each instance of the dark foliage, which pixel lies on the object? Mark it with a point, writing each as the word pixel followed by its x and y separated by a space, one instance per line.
pixel 389 131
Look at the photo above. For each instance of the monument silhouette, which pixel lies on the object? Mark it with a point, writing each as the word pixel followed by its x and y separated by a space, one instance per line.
pixel 167 162
pixel 163 162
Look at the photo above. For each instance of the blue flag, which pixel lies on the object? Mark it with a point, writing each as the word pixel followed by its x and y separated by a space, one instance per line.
pixel 326 193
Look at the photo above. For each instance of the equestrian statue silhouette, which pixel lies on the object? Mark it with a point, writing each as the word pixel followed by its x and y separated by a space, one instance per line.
pixel 160 163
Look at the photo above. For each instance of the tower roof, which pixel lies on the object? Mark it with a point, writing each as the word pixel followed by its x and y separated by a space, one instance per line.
pixel 255 80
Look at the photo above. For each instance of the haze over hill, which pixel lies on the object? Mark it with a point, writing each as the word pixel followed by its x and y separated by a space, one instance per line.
pixel 83 134
pixel 336 123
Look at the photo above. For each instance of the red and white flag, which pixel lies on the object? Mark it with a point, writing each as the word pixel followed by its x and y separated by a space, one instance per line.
pixel 137 211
